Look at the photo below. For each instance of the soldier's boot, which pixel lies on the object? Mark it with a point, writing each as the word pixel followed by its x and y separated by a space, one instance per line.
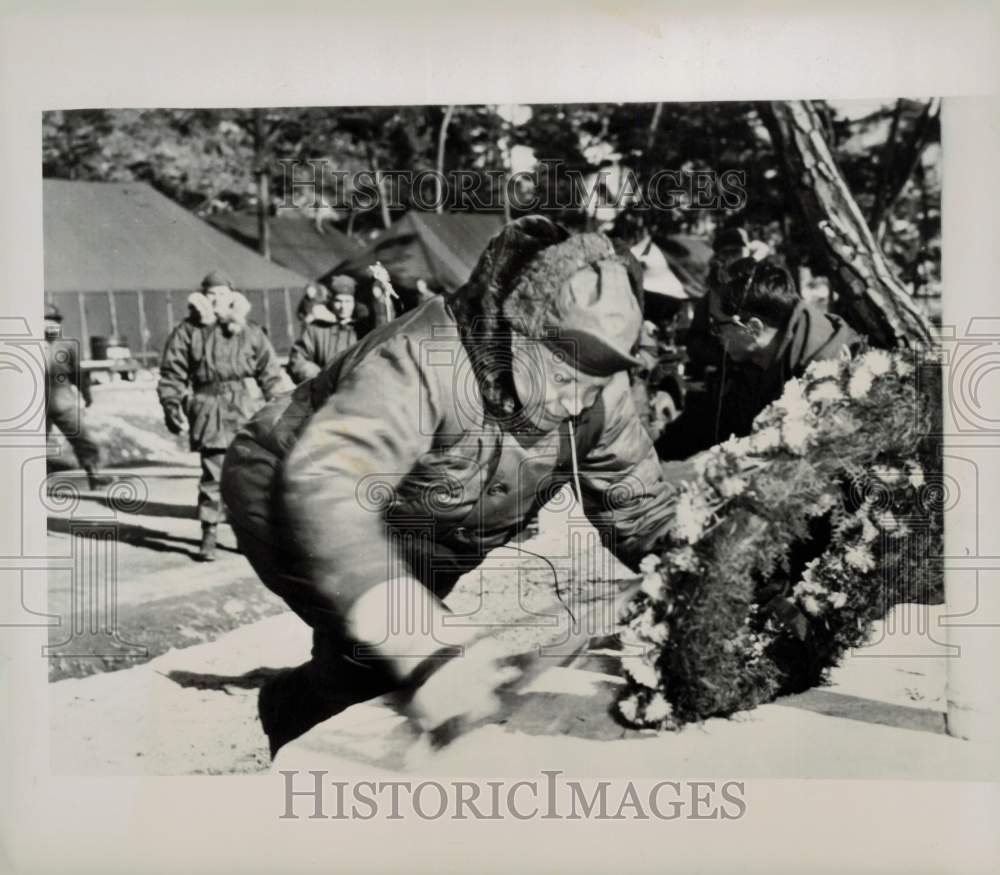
pixel 96 481
pixel 207 551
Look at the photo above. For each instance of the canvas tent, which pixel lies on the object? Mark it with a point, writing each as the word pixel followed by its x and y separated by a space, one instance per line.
pixel 676 268
pixel 440 248
pixel 295 240
pixel 121 259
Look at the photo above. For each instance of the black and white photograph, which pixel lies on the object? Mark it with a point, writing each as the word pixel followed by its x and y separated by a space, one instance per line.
pixel 518 459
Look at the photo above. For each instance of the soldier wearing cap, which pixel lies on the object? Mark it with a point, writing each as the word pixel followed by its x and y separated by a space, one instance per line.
pixel 430 442
pixel 65 387
pixel 329 331
pixel 206 362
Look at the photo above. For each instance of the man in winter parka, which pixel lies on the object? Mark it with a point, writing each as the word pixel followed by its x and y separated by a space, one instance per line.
pixel 205 364
pixel 768 335
pixel 65 387
pixel 329 332
pixel 378 483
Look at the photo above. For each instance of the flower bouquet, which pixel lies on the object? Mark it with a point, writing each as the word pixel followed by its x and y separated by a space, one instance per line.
pixel 790 542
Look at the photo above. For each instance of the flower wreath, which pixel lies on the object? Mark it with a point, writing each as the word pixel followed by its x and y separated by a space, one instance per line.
pixel 790 542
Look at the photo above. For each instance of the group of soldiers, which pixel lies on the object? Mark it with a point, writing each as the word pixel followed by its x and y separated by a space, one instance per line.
pixel 204 371
pixel 534 393
pixel 209 359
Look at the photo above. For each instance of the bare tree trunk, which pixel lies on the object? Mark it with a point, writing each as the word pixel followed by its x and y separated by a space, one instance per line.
pixel 651 131
pixel 870 295
pixel 263 184
pixel 442 138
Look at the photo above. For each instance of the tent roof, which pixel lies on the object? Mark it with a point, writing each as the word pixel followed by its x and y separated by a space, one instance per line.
pixel 122 236
pixel 441 248
pixel 688 258
pixel 295 241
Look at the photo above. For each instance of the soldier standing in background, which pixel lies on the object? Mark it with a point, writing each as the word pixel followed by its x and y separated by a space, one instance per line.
pixel 203 373
pixel 65 387
pixel 328 332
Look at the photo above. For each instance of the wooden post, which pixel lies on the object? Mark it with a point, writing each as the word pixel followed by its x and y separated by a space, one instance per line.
pixel 267 312
pixel 289 318
pixel 442 138
pixel 263 184
pixel 114 312
pixel 143 330
pixel 84 328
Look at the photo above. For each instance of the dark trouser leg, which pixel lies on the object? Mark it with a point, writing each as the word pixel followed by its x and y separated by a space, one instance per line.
pixel 209 494
pixel 296 700
pixel 66 414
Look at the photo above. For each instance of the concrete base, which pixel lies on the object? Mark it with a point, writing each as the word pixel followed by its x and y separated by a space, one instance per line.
pixel 882 716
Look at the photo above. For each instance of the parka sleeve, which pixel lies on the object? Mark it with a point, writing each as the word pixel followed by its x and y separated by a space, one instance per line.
pixel 267 368
pixel 346 464
pixel 302 363
pixel 624 490
pixel 175 376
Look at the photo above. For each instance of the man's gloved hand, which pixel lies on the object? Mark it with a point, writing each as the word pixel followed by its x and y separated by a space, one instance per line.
pixel 443 692
pixel 174 418
pixel 464 689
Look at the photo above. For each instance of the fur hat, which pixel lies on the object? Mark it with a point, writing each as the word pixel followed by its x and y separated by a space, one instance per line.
pixel 343 285
pixel 577 296
pixel 216 279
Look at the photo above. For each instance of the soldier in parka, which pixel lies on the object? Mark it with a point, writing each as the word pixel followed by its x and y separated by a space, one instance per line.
pixel 203 372
pixel 65 387
pixel 329 331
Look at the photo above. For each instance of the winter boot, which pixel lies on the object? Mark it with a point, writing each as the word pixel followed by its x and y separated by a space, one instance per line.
pixel 207 551
pixel 96 481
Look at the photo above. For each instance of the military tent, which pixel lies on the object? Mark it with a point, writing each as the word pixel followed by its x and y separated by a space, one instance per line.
pixel 121 259
pixel 439 248
pixel 296 241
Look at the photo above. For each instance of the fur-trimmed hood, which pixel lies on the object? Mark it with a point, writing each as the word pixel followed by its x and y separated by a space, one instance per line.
pixel 227 307
pixel 523 266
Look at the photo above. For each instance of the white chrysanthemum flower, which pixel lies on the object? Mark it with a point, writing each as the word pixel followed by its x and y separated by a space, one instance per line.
pixel 824 369
pixel 652 584
pixel 903 368
pixel 808 573
pixel 765 439
pixel 650 562
pixel 877 361
pixel 860 383
pixel 888 474
pixel 793 400
pixel 822 504
pixel 859 558
pixel 808 587
pixel 796 434
pixel 810 605
pixel 869 532
pixel 658 633
pixel 629 708
pixel 658 708
pixel 826 391
pixel 838 600
pixel 732 486
pixel 916 475
pixel 690 518
pixel 641 672
pixel 684 559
